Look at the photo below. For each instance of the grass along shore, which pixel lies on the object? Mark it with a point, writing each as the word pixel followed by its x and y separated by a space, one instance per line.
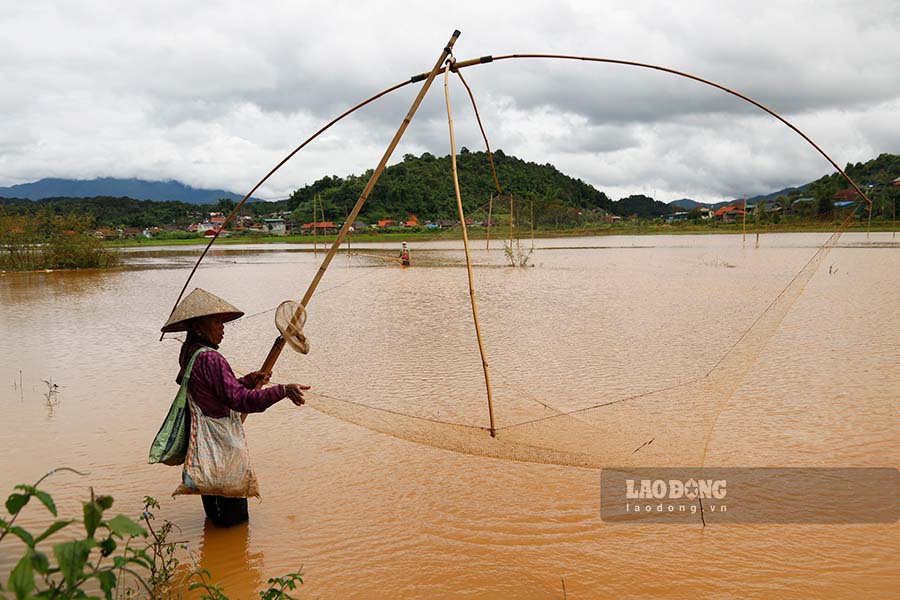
pixel 502 233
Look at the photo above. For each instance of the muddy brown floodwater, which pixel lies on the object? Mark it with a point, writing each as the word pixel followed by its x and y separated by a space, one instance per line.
pixel 594 320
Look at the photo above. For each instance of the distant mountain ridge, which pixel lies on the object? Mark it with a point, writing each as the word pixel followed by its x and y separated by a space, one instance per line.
pixel 688 204
pixel 139 189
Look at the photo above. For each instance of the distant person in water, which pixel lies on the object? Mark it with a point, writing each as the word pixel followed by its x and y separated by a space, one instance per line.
pixel 218 398
pixel 404 255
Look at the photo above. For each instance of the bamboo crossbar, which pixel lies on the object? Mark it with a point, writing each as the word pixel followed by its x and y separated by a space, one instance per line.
pixel 378 256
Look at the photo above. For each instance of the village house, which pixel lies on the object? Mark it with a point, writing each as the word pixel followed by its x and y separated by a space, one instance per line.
pixel 274 226
pixel 848 195
pixel 772 208
pixel 678 216
pixel 729 214
pixel 803 205
pixel 385 223
pixel 321 227
pixel 104 233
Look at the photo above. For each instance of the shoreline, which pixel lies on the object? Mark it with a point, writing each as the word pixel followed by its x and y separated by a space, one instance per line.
pixel 481 234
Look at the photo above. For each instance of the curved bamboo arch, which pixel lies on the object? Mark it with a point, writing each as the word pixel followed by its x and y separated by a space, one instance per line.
pixel 428 77
pixel 629 63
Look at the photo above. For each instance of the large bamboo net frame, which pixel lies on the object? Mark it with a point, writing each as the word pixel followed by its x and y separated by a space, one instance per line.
pixel 596 435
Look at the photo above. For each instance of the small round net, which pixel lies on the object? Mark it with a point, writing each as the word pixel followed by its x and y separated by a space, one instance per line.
pixel 290 317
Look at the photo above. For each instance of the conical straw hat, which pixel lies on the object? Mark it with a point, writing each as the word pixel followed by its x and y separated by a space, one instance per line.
pixel 200 303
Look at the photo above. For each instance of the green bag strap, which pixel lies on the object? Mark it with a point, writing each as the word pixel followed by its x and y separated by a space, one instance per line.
pixel 190 367
pixel 161 449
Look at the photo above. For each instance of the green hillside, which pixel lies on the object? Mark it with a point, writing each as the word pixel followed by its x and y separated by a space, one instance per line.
pixel 424 186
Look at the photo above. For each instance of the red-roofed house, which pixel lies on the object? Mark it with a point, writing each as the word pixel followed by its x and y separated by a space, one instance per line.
pixel 319 227
pixel 412 221
pixel 729 214
pixel 386 223
pixel 848 195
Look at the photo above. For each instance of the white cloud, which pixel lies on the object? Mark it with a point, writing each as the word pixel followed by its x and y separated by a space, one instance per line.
pixel 214 94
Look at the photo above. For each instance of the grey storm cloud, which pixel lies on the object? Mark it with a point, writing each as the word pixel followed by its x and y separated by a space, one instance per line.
pixel 215 93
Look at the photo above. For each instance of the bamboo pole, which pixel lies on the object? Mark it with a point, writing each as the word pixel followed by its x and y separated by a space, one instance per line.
pixel 532 225
pixel 278 344
pixel 378 256
pixel 462 218
pixel 744 224
pixel 869 226
pixel 510 221
pixel 490 210
pixel 315 243
pixel 757 223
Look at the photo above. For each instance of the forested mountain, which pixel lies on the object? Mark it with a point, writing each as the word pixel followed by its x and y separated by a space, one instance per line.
pixel 642 206
pixel 875 173
pixel 111 187
pixel 424 186
pixel 108 211
pixel 879 171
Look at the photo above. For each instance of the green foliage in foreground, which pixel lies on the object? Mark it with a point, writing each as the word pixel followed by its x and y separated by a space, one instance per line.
pixel 109 555
pixel 45 240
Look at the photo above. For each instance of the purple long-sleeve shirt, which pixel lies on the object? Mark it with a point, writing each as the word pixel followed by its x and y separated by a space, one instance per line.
pixel 217 391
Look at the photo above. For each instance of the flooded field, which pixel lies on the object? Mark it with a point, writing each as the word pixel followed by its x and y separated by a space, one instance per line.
pixel 594 321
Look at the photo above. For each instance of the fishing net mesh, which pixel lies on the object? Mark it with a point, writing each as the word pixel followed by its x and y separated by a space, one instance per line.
pixel 671 424
pixel 290 317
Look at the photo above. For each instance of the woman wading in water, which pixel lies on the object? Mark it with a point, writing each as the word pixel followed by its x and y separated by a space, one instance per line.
pixel 217 465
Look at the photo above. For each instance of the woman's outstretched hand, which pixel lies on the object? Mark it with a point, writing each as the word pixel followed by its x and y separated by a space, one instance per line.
pixel 294 391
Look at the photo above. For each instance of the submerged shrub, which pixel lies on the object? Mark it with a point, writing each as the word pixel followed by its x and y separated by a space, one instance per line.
pixel 45 240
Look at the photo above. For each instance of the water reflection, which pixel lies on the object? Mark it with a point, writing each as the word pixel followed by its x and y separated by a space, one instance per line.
pixel 24 288
pixel 596 320
pixel 225 553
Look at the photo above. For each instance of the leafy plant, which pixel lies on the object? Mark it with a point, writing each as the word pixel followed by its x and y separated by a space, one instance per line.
pixel 105 556
pixel 163 553
pixel 276 590
pixel 516 255
pixel 77 562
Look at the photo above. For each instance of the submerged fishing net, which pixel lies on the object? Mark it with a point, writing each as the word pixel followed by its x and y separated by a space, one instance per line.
pixel 667 425
pixel 290 317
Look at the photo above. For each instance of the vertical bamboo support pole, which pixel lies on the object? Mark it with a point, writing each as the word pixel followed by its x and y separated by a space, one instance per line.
pixel 462 218
pixel 278 345
pixel 532 225
pixel 322 211
pixel 510 221
pixel 744 225
pixel 756 211
pixel 490 210
pixel 869 226
pixel 315 244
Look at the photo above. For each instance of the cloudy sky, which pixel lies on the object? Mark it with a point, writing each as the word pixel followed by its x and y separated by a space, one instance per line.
pixel 215 93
